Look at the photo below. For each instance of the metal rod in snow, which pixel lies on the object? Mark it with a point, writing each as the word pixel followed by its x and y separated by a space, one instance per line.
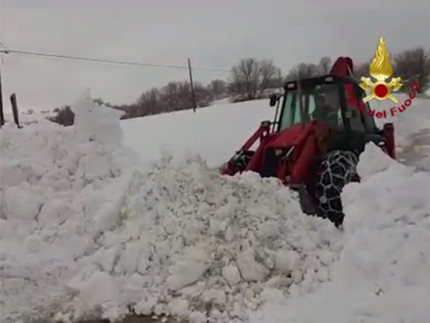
pixel 193 96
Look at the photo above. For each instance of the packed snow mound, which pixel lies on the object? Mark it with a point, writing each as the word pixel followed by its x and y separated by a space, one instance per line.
pixel 85 231
pixel 95 122
pixel 57 195
pixel 383 271
pixel 194 244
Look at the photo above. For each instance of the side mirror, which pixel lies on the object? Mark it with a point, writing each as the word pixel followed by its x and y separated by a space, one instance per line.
pixel 273 99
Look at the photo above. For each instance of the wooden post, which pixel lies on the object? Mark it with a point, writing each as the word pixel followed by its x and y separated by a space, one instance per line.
pixel 15 110
pixel 193 96
pixel 1 102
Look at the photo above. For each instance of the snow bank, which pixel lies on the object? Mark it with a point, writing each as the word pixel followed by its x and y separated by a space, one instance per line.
pixel 85 232
pixel 383 272
pixel 60 189
pixel 408 123
pixel 194 244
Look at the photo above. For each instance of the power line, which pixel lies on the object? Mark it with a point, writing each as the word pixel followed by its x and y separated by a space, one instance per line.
pixel 108 61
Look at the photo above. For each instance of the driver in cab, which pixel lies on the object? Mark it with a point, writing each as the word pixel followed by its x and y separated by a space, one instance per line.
pixel 327 109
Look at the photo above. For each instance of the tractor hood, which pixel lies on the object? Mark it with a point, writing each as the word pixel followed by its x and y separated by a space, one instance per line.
pixel 297 134
pixel 292 151
pixel 287 136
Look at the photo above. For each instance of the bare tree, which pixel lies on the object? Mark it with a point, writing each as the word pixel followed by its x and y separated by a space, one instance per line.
pixel 303 71
pixel 251 77
pixel 217 89
pixel 149 103
pixel 177 96
pixel 153 101
pixel 324 65
pixel 309 70
pixel 361 70
pixel 269 74
pixel 203 95
pixel 413 65
pixel 245 78
pixel 170 97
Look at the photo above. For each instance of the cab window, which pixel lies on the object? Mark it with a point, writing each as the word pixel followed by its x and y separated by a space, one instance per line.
pixel 291 111
pixel 326 104
pixel 353 113
pixel 367 120
pixel 319 102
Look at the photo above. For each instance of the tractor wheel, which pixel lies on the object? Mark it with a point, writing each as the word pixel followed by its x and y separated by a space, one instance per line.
pixel 337 169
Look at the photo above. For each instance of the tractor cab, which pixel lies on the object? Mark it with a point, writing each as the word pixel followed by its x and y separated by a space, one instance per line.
pixel 324 99
pixel 334 101
pixel 309 106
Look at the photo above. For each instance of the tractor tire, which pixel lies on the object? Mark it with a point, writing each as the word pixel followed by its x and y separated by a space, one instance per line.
pixel 337 169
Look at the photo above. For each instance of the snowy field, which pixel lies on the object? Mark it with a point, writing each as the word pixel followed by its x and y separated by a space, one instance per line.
pixel 214 132
pixel 105 216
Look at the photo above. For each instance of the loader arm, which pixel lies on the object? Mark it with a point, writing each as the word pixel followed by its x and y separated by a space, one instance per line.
pixel 311 147
pixel 261 133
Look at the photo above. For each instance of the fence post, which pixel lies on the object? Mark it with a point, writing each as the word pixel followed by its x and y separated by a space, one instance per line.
pixel 15 109
pixel 1 102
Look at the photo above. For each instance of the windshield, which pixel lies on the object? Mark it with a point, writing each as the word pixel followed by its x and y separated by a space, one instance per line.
pixel 319 102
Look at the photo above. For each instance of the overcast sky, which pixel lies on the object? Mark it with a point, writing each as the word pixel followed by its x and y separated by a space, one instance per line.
pixel 213 33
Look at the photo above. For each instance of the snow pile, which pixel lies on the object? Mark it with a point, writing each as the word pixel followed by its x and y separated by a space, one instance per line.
pixel 193 244
pixel 86 233
pixel 94 122
pixel 383 272
pixel 57 196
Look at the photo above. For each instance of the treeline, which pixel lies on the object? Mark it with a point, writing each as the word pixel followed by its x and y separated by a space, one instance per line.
pixel 409 65
pixel 252 79
pixel 174 96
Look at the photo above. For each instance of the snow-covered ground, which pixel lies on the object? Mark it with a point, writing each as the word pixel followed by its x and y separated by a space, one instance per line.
pixel 89 227
pixel 27 117
pixel 216 132
pixel 213 132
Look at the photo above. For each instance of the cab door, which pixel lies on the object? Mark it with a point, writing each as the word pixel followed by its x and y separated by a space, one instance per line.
pixel 360 125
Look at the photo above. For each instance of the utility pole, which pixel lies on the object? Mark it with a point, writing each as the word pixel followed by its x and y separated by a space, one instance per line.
pixel 193 96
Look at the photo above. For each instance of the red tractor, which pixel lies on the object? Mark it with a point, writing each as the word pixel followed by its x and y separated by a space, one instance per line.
pixel 314 143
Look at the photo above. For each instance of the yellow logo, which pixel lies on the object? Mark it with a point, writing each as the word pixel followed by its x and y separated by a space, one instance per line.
pixel 381 69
